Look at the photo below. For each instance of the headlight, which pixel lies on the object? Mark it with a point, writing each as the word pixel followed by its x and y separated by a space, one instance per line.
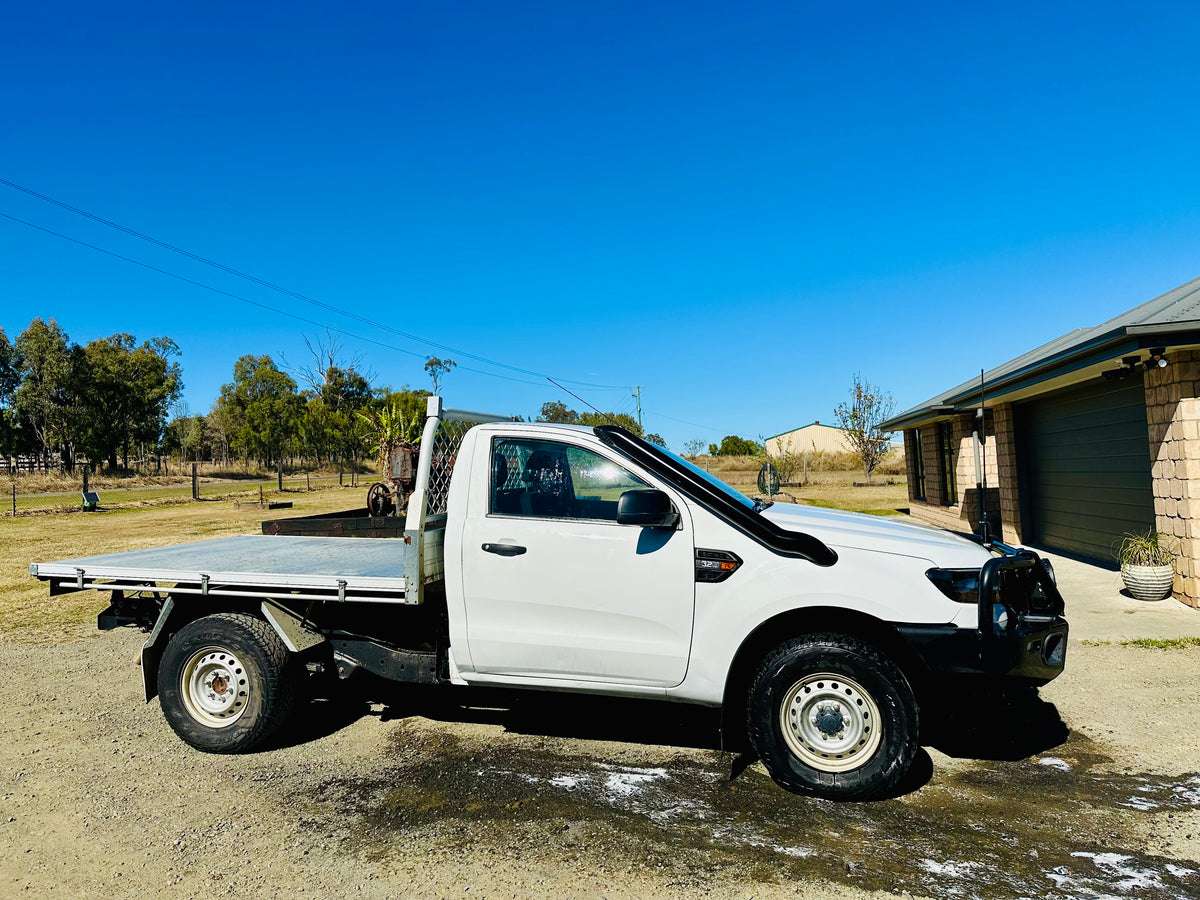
pixel 960 585
pixel 1050 571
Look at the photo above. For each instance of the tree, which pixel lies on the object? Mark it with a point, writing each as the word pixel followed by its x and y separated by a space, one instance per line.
pixel 656 439
pixel 438 369
pixel 788 464
pixel 43 398
pixel 625 420
pixel 222 423
pixel 732 445
pixel 861 418
pixel 10 377
pixel 556 411
pixel 123 393
pixel 264 402
pixel 693 448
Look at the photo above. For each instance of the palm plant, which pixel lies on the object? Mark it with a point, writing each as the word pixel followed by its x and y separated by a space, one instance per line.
pixel 392 429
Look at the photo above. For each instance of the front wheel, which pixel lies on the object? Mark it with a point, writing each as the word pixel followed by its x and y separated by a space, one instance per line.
pixel 831 716
pixel 226 683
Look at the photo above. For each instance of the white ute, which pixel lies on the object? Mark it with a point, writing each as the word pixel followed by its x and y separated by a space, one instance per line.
pixel 565 558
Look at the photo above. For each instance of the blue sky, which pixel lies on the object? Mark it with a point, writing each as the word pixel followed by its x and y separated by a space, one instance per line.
pixel 736 206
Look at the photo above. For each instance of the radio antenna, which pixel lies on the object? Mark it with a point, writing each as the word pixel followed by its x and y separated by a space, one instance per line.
pixel 584 402
pixel 981 467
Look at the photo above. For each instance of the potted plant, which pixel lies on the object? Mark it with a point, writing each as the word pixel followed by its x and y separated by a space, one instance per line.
pixel 1148 564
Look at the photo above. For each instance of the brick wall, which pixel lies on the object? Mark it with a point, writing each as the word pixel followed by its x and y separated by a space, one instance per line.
pixel 1173 420
pixel 1006 466
pixel 910 463
pixel 963 514
pixel 933 480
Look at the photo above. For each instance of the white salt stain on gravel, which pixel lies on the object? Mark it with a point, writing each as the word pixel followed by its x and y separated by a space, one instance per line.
pixel 627 781
pixel 1055 763
pixel 948 869
pixel 1119 865
pixel 1188 793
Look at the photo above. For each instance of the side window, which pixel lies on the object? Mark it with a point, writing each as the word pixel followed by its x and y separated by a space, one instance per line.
pixel 549 480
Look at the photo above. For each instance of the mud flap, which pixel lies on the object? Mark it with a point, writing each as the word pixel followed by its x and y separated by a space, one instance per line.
pixel 151 653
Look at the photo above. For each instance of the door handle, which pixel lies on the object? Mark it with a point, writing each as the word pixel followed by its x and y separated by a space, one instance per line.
pixel 504 549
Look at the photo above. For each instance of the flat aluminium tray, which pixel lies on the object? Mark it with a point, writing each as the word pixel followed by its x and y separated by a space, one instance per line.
pixel 246 565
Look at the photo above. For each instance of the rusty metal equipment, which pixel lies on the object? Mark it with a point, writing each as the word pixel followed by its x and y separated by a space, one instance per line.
pixel 390 498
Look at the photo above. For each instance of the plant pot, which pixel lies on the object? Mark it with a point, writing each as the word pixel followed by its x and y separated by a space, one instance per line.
pixel 1148 582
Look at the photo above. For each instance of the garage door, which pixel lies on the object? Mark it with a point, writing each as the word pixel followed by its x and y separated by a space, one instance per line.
pixel 1084 458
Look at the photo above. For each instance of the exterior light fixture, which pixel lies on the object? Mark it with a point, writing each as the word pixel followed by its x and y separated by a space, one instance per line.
pixel 1158 359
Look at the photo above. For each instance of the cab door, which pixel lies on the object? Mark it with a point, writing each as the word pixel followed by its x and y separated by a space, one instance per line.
pixel 556 589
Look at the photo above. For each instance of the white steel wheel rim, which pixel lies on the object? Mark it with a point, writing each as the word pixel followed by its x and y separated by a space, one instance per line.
pixel 215 687
pixel 830 723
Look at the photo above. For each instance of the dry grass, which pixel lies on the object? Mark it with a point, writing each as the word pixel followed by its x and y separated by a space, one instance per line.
pixel 24 601
pixel 209 473
pixel 26 607
pixel 819 461
pixel 835 490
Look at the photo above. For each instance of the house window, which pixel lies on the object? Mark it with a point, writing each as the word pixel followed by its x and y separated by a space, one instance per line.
pixel 946 446
pixel 918 459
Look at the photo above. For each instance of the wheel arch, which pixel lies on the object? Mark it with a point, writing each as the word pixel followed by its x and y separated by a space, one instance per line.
pixel 177 612
pixel 796 622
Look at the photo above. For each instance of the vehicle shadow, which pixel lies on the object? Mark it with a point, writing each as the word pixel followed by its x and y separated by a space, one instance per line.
pixel 652 722
pixel 564 715
pixel 992 724
pixel 318 716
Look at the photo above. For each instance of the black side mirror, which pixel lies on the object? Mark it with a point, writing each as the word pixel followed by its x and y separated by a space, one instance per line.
pixel 648 508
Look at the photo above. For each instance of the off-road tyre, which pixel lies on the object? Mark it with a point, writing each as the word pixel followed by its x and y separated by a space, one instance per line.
pixel 226 683
pixel 831 716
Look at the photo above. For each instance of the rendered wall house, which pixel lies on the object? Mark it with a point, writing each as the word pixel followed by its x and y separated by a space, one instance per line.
pixel 1088 437
pixel 811 438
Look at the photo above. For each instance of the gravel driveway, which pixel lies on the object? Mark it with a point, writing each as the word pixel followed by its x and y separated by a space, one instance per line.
pixel 1090 789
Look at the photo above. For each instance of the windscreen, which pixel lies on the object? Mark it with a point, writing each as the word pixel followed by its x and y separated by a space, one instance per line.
pixel 707 476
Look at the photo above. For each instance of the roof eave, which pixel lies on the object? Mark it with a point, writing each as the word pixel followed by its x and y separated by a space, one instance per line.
pixel 1115 343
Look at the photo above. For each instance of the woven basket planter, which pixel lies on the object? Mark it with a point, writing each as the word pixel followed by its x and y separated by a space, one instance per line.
pixel 1149 582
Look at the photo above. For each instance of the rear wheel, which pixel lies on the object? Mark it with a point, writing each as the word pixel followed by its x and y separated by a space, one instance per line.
pixel 226 683
pixel 831 716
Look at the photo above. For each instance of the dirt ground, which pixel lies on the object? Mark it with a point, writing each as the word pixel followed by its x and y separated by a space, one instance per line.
pixel 1090 790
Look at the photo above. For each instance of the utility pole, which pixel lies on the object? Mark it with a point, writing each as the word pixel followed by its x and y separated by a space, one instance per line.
pixel 637 392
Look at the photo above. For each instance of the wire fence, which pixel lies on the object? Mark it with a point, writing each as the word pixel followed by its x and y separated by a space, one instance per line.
pixel 22 495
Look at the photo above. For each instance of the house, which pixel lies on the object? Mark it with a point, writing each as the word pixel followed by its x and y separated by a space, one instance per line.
pixel 810 438
pixel 1088 437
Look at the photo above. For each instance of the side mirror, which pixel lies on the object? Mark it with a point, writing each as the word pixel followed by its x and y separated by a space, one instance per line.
pixel 648 508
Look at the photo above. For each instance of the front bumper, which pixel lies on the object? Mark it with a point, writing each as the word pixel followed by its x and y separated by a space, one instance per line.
pixel 1033 653
pixel 1021 633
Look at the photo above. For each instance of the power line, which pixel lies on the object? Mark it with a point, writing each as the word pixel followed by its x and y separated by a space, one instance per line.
pixel 283 290
pixel 281 312
pixel 685 422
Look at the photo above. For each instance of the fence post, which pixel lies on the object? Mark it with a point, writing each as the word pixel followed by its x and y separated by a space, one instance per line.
pixel 307 482
pixel 14 487
pixel 195 482
pixel 279 475
pixel 85 477
pixel 261 501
